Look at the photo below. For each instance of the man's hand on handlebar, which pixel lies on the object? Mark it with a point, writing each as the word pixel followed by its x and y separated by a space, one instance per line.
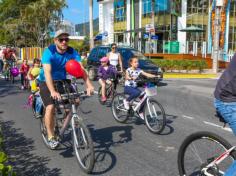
pixel 55 95
pixel 90 90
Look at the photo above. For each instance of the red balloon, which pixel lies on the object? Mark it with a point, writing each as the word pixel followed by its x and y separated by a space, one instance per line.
pixel 74 68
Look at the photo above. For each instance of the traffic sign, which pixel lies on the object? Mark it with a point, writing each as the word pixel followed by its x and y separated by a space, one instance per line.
pixel 150 28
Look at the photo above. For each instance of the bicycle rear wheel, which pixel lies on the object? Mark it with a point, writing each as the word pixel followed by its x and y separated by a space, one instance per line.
pixel 83 145
pixel 200 149
pixel 155 117
pixel 118 110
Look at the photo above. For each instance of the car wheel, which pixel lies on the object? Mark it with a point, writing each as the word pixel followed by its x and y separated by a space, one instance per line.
pixel 91 74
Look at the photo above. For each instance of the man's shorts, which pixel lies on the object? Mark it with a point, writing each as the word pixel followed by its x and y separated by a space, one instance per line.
pixel 46 95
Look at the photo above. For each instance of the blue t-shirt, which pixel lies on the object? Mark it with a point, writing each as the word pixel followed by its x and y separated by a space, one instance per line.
pixel 58 62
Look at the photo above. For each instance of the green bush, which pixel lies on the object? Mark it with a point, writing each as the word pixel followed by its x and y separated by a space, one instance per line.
pixel 188 65
pixel 5 170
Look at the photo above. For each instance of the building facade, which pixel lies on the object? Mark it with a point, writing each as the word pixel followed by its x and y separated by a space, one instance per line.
pixel 125 22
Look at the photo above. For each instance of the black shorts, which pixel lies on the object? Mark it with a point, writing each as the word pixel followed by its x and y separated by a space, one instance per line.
pixel 46 95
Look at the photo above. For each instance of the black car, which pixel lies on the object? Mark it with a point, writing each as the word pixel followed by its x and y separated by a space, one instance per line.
pixel 97 53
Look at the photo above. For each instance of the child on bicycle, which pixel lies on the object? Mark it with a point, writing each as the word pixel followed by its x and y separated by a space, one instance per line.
pixel 131 87
pixel 23 71
pixel 33 74
pixel 105 72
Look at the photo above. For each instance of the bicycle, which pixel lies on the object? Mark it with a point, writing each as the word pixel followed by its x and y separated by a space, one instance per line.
pixel 82 140
pixel 205 154
pixel 109 91
pixel 154 113
pixel 7 73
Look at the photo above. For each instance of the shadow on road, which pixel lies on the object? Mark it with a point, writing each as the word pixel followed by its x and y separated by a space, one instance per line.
pixel 168 128
pixel 7 88
pixel 20 151
pixel 103 138
pixel 161 84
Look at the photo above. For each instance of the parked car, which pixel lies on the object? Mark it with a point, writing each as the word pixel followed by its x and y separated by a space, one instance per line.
pixel 97 53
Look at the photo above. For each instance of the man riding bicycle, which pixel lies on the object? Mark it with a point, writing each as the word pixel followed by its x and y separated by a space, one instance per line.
pixel 225 101
pixel 54 60
pixel 9 56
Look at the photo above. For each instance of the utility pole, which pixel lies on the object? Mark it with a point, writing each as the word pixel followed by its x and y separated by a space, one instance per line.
pixel 91 23
pixel 216 47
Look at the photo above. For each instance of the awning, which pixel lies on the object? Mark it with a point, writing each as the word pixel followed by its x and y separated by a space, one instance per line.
pixel 192 29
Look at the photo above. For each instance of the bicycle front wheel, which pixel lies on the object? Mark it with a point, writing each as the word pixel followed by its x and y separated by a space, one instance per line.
pixel 200 149
pixel 100 95
pixel 83 145
pixel 155 117
pixel 118 109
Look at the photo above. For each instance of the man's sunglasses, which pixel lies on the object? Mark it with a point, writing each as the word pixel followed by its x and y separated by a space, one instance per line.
pixel 114 47
pixel 63 39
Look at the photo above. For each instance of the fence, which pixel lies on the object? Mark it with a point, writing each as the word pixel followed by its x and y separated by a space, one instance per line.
pixel 30 53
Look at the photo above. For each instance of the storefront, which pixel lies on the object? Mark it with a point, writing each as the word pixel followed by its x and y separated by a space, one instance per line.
pixel 125 22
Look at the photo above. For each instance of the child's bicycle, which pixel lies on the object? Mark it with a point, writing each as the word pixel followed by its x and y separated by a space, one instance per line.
pixel 153 112
pixel 109 91
pixel 205 154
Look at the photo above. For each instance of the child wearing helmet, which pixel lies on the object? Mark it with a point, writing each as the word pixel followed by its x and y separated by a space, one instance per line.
pixel 105 71
pixel 23 71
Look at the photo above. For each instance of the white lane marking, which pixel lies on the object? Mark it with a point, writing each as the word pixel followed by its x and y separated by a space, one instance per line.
pixel 188 117
pixel 95 92
pixel 218 126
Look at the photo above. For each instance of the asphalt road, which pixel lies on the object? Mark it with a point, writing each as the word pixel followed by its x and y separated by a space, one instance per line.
pixel 120 149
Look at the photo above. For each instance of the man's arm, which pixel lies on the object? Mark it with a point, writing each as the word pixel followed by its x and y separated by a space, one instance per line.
pixel 89 85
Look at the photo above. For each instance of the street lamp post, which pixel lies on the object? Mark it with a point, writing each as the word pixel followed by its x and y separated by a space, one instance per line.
pixel 91 23
pixel 216 48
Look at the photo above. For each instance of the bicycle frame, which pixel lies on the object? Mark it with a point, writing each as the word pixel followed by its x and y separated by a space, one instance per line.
pixel 217 161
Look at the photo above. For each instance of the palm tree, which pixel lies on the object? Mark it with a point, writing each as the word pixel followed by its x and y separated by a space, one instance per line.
pixel 91 23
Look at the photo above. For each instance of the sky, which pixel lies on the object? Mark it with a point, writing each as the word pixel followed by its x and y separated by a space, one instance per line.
pixel 78 11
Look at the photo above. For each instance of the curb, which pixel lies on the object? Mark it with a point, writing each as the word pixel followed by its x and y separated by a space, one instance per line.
pixel 190 76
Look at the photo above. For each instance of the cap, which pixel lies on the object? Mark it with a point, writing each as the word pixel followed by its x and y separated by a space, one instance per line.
pixel 60 32
pixel 104 59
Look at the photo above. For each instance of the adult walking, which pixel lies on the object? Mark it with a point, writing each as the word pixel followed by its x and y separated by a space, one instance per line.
pixel 115 58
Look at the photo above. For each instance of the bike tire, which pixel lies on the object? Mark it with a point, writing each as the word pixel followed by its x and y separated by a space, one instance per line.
pixel 114 108
pixel 33 107
pixel 12 79
pixel 161 121
pixel 43 132
pixel 204 135
pixel 82 140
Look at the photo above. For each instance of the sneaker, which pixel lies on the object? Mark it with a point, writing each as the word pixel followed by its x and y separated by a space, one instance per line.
pixel 22 87
pixel 126 104
pixel 103 99
pixel 53 143
pixel 141 115
pixel 38 115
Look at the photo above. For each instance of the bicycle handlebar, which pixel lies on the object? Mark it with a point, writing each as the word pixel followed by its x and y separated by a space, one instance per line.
pixel 147 80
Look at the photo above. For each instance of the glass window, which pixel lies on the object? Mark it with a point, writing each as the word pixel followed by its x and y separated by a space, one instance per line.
pixel 93 54
pixel 120 10
pixel 102 52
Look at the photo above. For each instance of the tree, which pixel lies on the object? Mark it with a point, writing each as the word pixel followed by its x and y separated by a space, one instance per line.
pixel 27 22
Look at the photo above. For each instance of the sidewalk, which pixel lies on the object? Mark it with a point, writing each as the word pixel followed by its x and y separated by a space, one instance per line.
pixel 191 76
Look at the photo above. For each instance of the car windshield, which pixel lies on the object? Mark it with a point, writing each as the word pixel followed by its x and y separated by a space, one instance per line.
pixel 128 53
pixel 138 54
